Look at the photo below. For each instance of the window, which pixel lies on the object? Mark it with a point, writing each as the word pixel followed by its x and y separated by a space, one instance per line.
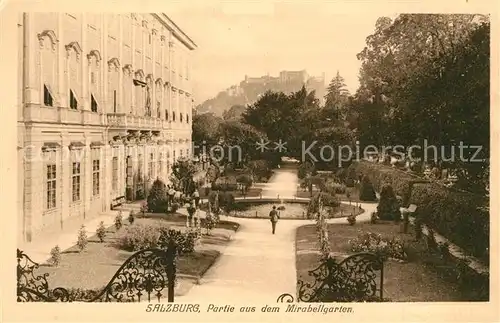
pixel 73 103
pixel 180 117
pixel 173 116
pixel 166 114
pixel 114 101
pixel 47 97
pixel 158 110
pixel 75 182
pixel 130 172
pixel 150 167
pixel 187 118
pixel 93 103
pixel 51 186
pixel 161 164
pixel 95 175
pixel 114 180
pixel 139 168
pixel 180 153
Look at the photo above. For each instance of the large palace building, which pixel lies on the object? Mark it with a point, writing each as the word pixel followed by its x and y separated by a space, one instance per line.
pixel 105 103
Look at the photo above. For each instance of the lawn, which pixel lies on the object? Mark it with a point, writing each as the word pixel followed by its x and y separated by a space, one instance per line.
pixel 413 281
pixel 94 267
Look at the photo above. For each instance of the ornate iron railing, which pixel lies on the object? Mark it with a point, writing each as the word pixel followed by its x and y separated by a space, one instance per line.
pixel 143 276
pixel 358 278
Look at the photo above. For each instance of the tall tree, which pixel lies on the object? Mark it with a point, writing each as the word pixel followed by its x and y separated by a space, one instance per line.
pixel 426 77
pixel 206 129
pixel 336 98
pixel 234 113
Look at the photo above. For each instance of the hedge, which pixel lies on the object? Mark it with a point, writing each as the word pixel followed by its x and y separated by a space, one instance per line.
pixel 453 214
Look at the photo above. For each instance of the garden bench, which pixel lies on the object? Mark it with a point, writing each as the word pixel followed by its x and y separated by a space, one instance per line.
pixel 117 201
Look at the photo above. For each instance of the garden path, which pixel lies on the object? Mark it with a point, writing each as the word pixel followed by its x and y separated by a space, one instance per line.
pixel 257 265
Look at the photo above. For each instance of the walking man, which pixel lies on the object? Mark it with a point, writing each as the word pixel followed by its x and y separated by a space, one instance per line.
pixel 274 218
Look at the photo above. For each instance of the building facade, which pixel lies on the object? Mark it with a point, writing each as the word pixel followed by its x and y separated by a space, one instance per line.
pixel 105 107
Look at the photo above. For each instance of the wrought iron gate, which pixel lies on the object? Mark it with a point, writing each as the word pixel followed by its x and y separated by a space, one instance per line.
pixel 142 277
pixel 358 278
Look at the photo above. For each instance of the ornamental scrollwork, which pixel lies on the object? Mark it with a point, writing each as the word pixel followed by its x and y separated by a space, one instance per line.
pixel 51 35
pixel 358 278
pixel 147 275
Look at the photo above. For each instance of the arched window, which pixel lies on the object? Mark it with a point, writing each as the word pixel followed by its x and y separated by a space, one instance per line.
pixel 48 64
pixel 113 84
pixel 94 58
pixel 74 68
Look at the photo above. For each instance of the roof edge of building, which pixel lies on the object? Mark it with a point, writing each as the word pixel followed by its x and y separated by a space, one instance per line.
pixel 175 30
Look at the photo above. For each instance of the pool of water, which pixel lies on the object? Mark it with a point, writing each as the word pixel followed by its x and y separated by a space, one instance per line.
pixel 291 211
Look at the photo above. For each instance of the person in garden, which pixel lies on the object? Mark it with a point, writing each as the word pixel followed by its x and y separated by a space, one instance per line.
pixel 191 211
pixel 274 218
pixel 196 196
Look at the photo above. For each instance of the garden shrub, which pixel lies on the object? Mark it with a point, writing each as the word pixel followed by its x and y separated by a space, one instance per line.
pixel 211 221
pixel 184 241
pixel 373 218
pixel 382 246
pixel 225 201
pixel 388 206
pixel 351 219
pixel 157 235
pixel 55 256
pixel 119 221
pixel 174 207
pixel 455 215
pixel 338 188
pixel 101 231
pixel 366 191
pixel 227 183
pixel 82 240
pixel 139 236
pixel 245 180
pixel 328 201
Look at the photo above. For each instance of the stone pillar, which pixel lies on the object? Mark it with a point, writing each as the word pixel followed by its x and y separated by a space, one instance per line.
pixel 134 64
pixel 87 175
pixel 32 89
pixel 61 57
pixel 106 176
pixel 85 77
pixel 105 67
pixel 64 189
pixel 163 76
pixel 121 108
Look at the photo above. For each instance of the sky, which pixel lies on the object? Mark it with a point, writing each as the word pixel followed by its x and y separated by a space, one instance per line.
pixel 234 41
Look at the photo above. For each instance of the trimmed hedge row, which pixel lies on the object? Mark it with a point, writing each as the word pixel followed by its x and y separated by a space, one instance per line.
pixel 455 215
